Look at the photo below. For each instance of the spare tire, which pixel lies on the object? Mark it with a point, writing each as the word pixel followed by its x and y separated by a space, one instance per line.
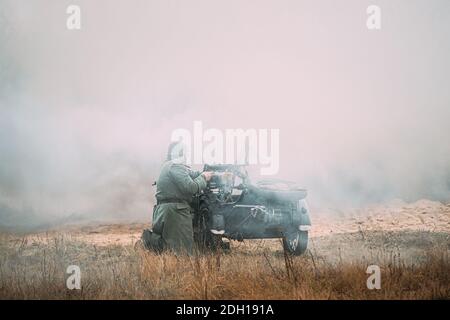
pixel 279 196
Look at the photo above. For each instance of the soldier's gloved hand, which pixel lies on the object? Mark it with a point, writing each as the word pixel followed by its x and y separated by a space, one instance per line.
pixel 208 175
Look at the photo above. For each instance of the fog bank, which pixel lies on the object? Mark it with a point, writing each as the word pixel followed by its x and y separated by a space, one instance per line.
pixel 86 115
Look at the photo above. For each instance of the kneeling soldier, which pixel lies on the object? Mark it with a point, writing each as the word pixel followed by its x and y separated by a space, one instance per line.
pixel 172 217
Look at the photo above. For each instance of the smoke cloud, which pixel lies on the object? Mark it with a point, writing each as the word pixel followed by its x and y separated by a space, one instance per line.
pixel 86 115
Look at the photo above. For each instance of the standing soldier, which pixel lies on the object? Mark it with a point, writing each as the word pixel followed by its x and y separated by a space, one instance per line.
pixel 172 217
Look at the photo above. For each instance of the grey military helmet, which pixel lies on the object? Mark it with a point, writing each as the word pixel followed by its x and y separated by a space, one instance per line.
pixel 177 152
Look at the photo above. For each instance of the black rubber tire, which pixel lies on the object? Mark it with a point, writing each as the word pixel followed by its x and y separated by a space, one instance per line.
pixel 295 242
pixel 204 239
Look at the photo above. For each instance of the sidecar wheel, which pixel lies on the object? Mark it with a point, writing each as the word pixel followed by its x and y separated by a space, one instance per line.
pixel 295 242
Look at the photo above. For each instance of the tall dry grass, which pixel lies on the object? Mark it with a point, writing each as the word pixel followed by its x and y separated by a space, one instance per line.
pixel 37 270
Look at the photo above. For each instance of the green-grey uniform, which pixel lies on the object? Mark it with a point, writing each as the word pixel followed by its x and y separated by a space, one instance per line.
pixel 172 217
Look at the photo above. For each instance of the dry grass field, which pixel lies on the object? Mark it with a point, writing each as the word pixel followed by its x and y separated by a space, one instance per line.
pixel 414 262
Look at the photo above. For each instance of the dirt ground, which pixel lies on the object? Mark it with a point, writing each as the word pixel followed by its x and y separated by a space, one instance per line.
pixel 410 242
pixel 424 216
